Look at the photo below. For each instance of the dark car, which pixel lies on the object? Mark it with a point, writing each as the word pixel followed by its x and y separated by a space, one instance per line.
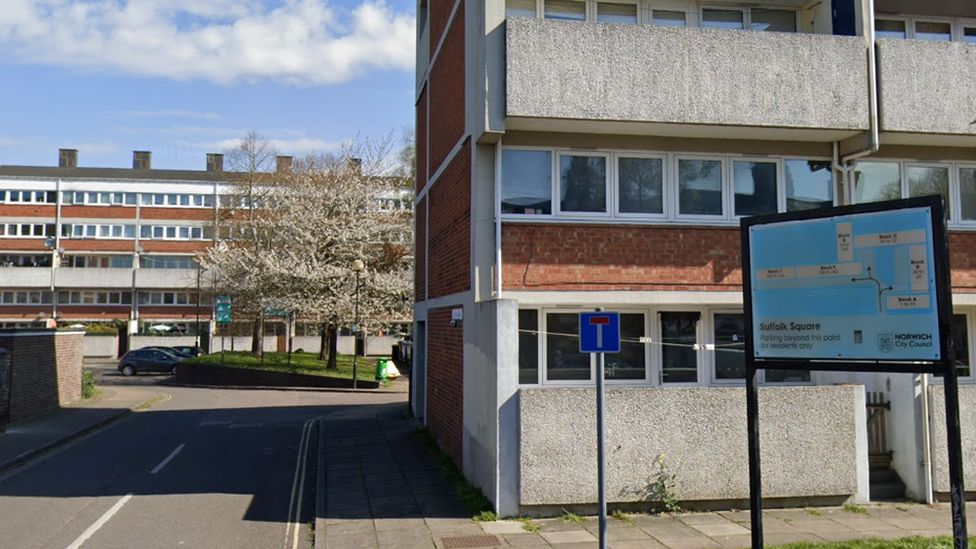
pixel 149 360
pixel 169 350
pixel 188 351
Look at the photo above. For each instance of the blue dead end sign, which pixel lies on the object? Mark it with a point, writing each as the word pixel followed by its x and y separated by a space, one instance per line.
pixel 599 332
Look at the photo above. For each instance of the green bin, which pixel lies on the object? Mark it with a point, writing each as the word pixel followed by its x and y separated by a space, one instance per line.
pixel 382 366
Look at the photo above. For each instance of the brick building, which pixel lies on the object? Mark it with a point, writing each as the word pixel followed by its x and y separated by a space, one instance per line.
pixel 576 154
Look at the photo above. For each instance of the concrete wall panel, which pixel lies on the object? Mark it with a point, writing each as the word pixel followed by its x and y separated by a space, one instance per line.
pixel 940 452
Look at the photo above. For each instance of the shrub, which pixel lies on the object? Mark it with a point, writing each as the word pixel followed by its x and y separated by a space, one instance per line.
pixel 88 388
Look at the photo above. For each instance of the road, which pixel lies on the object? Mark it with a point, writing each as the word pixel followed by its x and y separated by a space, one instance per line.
pixel 207 468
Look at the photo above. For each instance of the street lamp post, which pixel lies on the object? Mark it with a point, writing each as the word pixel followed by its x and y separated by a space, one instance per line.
pixel 358 266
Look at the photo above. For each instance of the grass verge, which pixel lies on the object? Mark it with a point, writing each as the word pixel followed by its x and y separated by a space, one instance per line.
pixel 471 497
pixel 301 363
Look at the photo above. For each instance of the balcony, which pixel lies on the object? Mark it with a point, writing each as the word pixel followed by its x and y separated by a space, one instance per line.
pixel 169 278
pixel 25 277
pixel 93 278
pixel 691 82
pixel 927 88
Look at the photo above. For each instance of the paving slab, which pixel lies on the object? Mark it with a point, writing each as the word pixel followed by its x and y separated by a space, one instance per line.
pixel 569 536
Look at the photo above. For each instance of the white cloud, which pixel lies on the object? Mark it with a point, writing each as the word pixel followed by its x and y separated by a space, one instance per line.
pixel 96 149
pixel 304 42
pixel 299 146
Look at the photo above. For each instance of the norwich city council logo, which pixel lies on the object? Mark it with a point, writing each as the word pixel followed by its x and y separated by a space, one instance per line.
pixel 886 343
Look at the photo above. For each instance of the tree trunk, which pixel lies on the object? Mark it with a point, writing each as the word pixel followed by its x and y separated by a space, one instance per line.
pixel 257 337
pixel 333 347
pixel 323 341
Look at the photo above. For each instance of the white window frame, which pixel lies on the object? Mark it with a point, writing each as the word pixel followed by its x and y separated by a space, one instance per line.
pixel 723 170
pixel 834 190
pixel 796 17
pixel 720 7
pixel 678 8
pixel 658 338
pixel 780 182
pixel 557 182
pixel 956 192
pixel 905 189
pixel 544 347
pixel 907 21
pixel 638 7
pixel 953 26
pixel 665 187
pixel 710 348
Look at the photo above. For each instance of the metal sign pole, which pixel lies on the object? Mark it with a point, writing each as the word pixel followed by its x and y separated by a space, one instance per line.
pixel 954 443
pixel 755 472
pixel 601 448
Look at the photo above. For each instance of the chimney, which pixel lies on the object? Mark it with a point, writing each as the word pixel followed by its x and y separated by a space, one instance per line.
pixel 215 162
pixel 141 160
pixel 282 164
pixel 67 158
pixel 356 165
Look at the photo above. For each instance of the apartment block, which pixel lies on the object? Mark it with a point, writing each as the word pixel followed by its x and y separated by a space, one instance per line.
pixel 575 154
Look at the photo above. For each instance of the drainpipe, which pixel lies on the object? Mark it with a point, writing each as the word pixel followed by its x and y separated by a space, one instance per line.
pixel 498 219
pixel 926 443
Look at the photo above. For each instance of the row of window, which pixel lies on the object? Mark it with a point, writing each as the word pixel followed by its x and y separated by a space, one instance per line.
pixel 37 197
pixel 669 348
pixel 127 231
pixel 167 262
pixel 630 12
pixel 92 198
pixel 26 230
pixel 664 186
pixel 115 261
pixel 875 181
pixel 925 28
pixel 85 297
pixel 25 260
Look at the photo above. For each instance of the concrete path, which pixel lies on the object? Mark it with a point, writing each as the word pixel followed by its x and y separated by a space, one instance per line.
pixel 26 439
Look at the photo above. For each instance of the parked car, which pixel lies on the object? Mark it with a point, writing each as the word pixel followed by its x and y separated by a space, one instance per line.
pixel 189 351
pixel 149 359
pixel 169 350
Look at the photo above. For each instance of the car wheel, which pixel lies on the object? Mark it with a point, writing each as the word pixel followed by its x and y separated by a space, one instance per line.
pixel 128 370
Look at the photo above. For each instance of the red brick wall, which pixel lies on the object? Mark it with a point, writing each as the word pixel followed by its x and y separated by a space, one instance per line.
pixel 626 257
pixel 446 90
pixel 92 312
pixel 28 210
pixel 445 382
pixel 420 252
pixel 421 136
pixel 449 241
pixel 178 214
pixel 23 244
pixel 174 246
pixel 45 372
pixel 99 212
pixel 96 245
pixel 440 11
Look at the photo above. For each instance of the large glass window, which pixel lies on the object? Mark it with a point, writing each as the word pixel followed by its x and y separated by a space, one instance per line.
pixel 631 361
pixel 582 183
pixel 967 193
pixel 641 183
pixel 889 28
pixel 755 187
pixel 773 20
pixel 730 341
pixel 876 181
pixel 928 180
pixel 528 346
pixel 722 19
pixel 969 35
pixel 616 12
pixel 679 355
pixel 699 187
pixel 809 184
pixel 668 18
pixel 564 362
pixel 566 10
pixel 526 182
pixel 933 31
pixel 960 344
pixel 520 8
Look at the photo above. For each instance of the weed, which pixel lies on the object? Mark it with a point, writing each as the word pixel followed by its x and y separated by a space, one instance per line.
pixel 814 512
pixel 901 508
pixel 621 516
pixel 571 517
pixel 660 489
pixel 471 497
pixel 528 525
pixel 485 516
pixel 855 508
pixel 88 388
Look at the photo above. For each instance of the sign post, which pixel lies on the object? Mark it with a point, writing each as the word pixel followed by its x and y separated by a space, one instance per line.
pixel 224 315
pixel 867 291
pixel 600 334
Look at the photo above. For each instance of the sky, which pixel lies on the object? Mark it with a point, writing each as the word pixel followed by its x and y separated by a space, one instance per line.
pixel 182 78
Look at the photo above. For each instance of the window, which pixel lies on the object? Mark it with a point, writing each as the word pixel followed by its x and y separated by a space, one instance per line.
pixel 679 347
pixel 967 193
pixel 526 182
pixel 889 28
pixel 699 187
pixel 167 262
pixel 928 180
pixel 933 31
pixel 960 344
pixel 582 183
pixel 730 358
pixel 640 185
pixel 631 362
pixel 519 8
pixel 969 35
pixel 722 19
pixel 564 362
pixel 528 346
pixel 565 10
pixel 876 181
pixel 667 18
pixel 755 187
pixel 616 12
pixel 809 184
pixel 772 20
pixel 787 376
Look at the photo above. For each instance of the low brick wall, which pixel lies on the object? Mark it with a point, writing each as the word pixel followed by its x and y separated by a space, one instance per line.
pixel 44 372
pixel 206 374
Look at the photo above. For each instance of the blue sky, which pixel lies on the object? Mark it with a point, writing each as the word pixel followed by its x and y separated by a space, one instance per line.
pixel 185 77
